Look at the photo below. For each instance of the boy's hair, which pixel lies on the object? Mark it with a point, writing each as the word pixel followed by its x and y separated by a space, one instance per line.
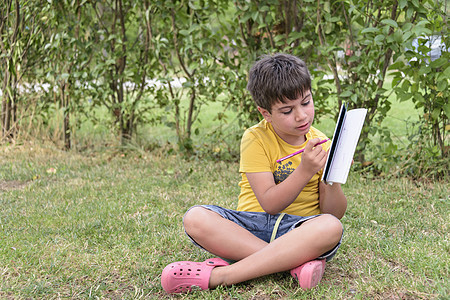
pixel 276 78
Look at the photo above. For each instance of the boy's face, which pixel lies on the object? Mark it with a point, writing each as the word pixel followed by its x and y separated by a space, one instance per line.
pixel 293 119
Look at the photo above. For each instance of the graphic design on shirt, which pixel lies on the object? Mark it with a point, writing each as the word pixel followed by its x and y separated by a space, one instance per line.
pixel 283 171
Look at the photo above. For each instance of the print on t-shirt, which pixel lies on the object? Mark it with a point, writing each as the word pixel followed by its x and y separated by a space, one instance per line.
pixel 283 171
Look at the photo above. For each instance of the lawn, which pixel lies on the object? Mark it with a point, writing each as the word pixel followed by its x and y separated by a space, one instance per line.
pixel 104 225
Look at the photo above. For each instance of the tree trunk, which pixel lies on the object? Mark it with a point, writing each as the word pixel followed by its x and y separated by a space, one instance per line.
pixel 9 110
pixel 66 116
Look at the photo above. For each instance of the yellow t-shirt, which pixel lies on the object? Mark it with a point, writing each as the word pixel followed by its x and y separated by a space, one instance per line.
pixel 260 149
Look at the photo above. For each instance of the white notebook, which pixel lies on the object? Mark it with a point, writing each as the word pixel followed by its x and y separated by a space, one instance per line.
pixel 343 146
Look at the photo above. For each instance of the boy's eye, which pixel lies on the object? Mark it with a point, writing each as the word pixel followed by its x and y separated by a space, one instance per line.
pixel 287 112
pixel 306 102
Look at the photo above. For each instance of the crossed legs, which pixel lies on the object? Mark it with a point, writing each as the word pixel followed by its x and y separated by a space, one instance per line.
pixel 254 256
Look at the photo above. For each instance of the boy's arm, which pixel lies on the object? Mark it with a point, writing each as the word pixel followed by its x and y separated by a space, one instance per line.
pixel 332 199
pixel 274 198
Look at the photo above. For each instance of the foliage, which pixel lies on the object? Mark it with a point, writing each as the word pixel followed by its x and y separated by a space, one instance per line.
pixel 423 75
pixel 418 158
pixel 21 46
pixel 188 59
pixel 163 62
pixel 64 62
pixel 122 62
pixel 270 26
pixel 374 35
pixel 425 78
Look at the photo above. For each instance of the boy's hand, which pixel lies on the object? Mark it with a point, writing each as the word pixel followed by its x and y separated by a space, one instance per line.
pixel 313 158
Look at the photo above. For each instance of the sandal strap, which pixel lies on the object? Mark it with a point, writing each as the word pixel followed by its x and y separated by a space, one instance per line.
pixel 216 261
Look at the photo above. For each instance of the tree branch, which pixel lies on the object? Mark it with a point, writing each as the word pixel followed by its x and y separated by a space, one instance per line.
pixel 330 62
pixel 175 41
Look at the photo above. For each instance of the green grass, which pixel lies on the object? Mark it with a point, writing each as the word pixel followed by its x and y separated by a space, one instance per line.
pixel 105 225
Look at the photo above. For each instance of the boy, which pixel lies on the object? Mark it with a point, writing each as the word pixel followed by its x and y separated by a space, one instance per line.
pixel 286 219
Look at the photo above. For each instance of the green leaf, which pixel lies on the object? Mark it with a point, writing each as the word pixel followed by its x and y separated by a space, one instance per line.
pixel 187 84
pixel 390 22
pixel 402 3
pixel 424 70
pixel 418 97
pixel 447 72
pixel 438 62
pixel 64 76
pixel 435 114
pixel 194 6
pixel 296 35
pixel 419 30
pixel 397 78
pixel 184 32
pixel 409 12
pixel 353 58
pixel 407 35
pixel 370 30
pixel 406 85
pixel 405 97
pixel 423 22
pixel 346 94
pixel 398 36
pixel 442 85
pixel 379 39
pixel 255 15
pixel 334 19
pixel 446 109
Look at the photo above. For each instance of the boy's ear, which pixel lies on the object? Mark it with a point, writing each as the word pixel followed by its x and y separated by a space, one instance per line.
pixel 265 113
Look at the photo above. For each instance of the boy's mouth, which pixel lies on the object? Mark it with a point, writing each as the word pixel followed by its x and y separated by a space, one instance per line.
pixel 303 126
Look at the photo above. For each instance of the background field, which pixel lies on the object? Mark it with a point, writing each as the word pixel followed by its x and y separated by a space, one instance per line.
pixel 401 121
pixel 105 225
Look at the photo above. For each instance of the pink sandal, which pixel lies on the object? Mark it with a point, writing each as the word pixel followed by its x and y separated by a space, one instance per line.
pixel 309 274
pixel 182 276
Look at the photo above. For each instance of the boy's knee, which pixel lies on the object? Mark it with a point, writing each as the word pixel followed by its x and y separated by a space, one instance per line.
pixel 194 218
pixel 331 226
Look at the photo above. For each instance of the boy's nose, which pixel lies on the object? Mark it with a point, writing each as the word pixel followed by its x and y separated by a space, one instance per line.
pixel 299 115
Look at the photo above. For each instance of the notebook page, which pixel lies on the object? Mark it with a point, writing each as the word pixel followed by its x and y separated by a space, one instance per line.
pixel 343 155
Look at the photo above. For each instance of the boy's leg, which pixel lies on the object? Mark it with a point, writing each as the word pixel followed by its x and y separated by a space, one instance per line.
pixel 220 236
pixel 256 257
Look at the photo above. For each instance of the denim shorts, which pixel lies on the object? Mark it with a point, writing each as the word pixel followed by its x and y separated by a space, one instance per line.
pixel 261 224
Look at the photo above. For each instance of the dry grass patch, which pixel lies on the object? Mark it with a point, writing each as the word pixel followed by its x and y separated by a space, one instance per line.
pixel 11 185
